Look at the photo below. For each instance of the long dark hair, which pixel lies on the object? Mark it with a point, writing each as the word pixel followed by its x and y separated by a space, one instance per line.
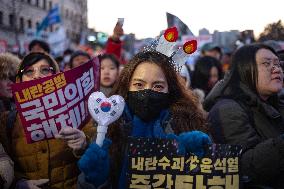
pixel 183 103
pixel 112 57
pixel 201 74
pixel 244 66
pixel 183 106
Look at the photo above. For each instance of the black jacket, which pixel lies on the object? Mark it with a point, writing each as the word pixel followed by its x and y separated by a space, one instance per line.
pixel 245 119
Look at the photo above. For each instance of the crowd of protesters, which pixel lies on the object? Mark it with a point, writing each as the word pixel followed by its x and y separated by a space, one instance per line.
pixel 235 97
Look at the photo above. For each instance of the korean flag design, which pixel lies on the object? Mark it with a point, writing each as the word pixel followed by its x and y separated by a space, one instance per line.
pixel 104 111
pixel 105 106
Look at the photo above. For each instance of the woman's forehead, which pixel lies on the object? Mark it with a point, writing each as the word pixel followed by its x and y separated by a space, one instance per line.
pixel 39 63
pixel 107 62
pixel 147 69
pixel 265 54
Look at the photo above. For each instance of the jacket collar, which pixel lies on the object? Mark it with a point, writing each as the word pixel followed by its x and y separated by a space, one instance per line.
pixel 255 101
pixel 161 123
pixel 221 90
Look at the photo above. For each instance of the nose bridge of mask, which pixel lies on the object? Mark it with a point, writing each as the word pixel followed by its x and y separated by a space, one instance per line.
pixel 146 103
pixel 144 96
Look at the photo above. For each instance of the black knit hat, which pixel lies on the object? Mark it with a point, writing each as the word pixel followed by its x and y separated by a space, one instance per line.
pixel 78 53
pixel 44 45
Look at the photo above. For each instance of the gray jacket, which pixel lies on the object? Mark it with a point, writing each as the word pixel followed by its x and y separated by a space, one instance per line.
pixel 6 169
pixel 245 119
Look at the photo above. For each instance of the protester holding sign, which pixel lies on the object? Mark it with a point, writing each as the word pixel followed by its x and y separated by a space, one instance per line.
pixel 47 163
pixel 244 109
pixel 157 106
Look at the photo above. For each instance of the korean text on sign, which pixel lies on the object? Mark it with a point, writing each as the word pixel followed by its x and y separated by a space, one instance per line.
pixel 48 104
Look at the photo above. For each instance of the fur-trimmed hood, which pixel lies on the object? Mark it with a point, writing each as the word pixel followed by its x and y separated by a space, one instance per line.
pixel 8 65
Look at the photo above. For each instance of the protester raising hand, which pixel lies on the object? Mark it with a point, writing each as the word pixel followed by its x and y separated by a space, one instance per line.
pixel 117 31
pixel 114 44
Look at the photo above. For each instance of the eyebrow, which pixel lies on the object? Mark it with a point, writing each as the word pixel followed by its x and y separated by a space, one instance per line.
pixel 141 80
pixel 270 58
pixel 159 82
pixel 155 82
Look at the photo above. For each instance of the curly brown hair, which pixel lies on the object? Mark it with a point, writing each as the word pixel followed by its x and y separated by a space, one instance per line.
pixel 184 109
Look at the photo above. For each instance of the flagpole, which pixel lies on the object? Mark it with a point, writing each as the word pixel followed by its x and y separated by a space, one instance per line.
pixel 62 11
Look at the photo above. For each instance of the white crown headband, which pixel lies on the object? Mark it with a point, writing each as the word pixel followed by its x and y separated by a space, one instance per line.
pixel 166 45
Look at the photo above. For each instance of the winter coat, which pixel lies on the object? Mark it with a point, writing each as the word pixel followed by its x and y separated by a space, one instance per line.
pixel 127 125
pixel 6 104
pixel 6 169
pixel 106 90
pixel 247 120
pixel 115 48
pixel 49 159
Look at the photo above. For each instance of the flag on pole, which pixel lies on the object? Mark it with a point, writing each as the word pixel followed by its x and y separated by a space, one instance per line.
pixel 58 41
pixel 52 17
pixel 175 21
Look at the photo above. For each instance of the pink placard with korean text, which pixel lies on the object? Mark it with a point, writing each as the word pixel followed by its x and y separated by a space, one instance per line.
pixel 46 105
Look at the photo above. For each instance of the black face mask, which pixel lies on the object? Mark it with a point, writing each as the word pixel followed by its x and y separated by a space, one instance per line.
pixel 147 104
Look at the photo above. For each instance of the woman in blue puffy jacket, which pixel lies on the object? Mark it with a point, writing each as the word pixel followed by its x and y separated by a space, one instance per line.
pixel 156 106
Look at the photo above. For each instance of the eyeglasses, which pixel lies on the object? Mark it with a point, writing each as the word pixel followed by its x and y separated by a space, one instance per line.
pixel 272 64
pixel 43 70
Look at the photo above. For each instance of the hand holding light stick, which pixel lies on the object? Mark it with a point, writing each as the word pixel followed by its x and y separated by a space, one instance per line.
pixel 104 111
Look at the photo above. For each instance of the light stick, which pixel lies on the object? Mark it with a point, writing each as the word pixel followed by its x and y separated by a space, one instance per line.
pixel 104 111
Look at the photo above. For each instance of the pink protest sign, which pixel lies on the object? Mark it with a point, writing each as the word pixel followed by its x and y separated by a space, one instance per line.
pixel 46 105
